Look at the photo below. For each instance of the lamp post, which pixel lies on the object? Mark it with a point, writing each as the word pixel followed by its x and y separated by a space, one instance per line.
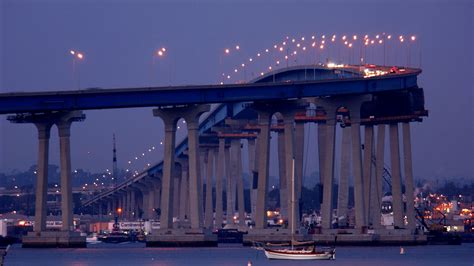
pixel 76 55
pixel 158 53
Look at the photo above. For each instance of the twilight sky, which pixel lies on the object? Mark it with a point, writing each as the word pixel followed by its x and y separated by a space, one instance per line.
pixel 118 39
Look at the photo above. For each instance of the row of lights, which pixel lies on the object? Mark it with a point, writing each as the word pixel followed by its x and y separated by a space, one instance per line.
pixel 297 45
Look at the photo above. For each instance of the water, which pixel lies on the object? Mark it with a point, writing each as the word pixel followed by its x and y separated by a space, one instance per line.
pixel 228 255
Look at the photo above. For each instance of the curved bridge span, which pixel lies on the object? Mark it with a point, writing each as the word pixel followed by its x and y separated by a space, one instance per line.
pixel 352 96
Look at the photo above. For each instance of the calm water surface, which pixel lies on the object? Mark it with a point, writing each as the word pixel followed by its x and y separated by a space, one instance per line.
pixel 227 255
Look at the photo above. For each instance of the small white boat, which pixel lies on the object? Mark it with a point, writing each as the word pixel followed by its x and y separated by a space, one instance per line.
pixel 300 254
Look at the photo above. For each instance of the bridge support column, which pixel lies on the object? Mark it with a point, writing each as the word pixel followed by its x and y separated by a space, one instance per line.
pixel 42 176
pixel 230 188
pixel 132 205
pixel 209 213
pixel 125 205
pixel 343 188
pixel 170 120
pixel 40 237
pixel 146 204
pixel 367 170
pixel 284 199
pixel 290 167
pixel 64 127
pixel 299 157
pixel 360 209
pixel 328 172
pixel 376 198
pixel 326 145
pixel 252 172
pixel 263 164
pixel 176 189
pixel 322 137
pixel 195 199
pixel 200 237
pixel 408 168
pixel 109 207
pixel 184 191
pixel 152 195
pixel 142 208
pixel 397 202
pixel 236 168
pixel 219 178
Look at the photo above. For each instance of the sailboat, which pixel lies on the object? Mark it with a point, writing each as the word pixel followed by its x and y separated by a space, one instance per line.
pixel 293 253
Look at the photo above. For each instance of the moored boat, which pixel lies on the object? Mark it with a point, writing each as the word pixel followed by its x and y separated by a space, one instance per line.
pixel 300 254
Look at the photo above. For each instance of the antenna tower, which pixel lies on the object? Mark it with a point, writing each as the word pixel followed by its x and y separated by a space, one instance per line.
pixel 114 169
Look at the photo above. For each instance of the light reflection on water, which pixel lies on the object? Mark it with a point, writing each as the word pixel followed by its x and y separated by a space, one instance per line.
pixel 230 255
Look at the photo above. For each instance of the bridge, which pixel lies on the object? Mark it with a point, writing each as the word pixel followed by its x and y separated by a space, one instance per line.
pixel 350 95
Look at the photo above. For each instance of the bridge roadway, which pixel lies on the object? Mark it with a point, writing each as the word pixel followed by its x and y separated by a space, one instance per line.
pixel 341 82
pixel 274 93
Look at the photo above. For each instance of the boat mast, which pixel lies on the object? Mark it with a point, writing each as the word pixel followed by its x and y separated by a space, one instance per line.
pixel 292 201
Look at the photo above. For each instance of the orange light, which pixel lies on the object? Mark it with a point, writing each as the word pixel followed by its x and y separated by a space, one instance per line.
pixel 163 49
pixel 80 56
pixel 413 38
pixel 227 51
pixel 119 210
pixel 160 53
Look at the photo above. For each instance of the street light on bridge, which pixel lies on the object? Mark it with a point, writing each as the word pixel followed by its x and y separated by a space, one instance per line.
pixel 158 53
pixel 76 55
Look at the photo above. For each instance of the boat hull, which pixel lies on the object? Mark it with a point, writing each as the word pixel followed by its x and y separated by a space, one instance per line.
pixel 282 255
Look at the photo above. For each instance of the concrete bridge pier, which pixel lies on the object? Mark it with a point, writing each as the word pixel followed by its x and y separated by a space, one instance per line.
pixel 343 188
pixel 219 179
pixel 360 207
pixel 290 167
pixel 282 168
pixel 183 213
pixel 177 179
pixel 42 176
pixel 209 209
pixel 236 169
pixel 142 203
pixel 408 169
pixel 328 137
pixel 43 122
pixel 331 105
pixel 368 149
pixel 376 198
pixel 397 202
pixel 166 236
pixel 253 175
pixel 109 207
pixel 230 189
pixel 263 139
pixel 299 161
